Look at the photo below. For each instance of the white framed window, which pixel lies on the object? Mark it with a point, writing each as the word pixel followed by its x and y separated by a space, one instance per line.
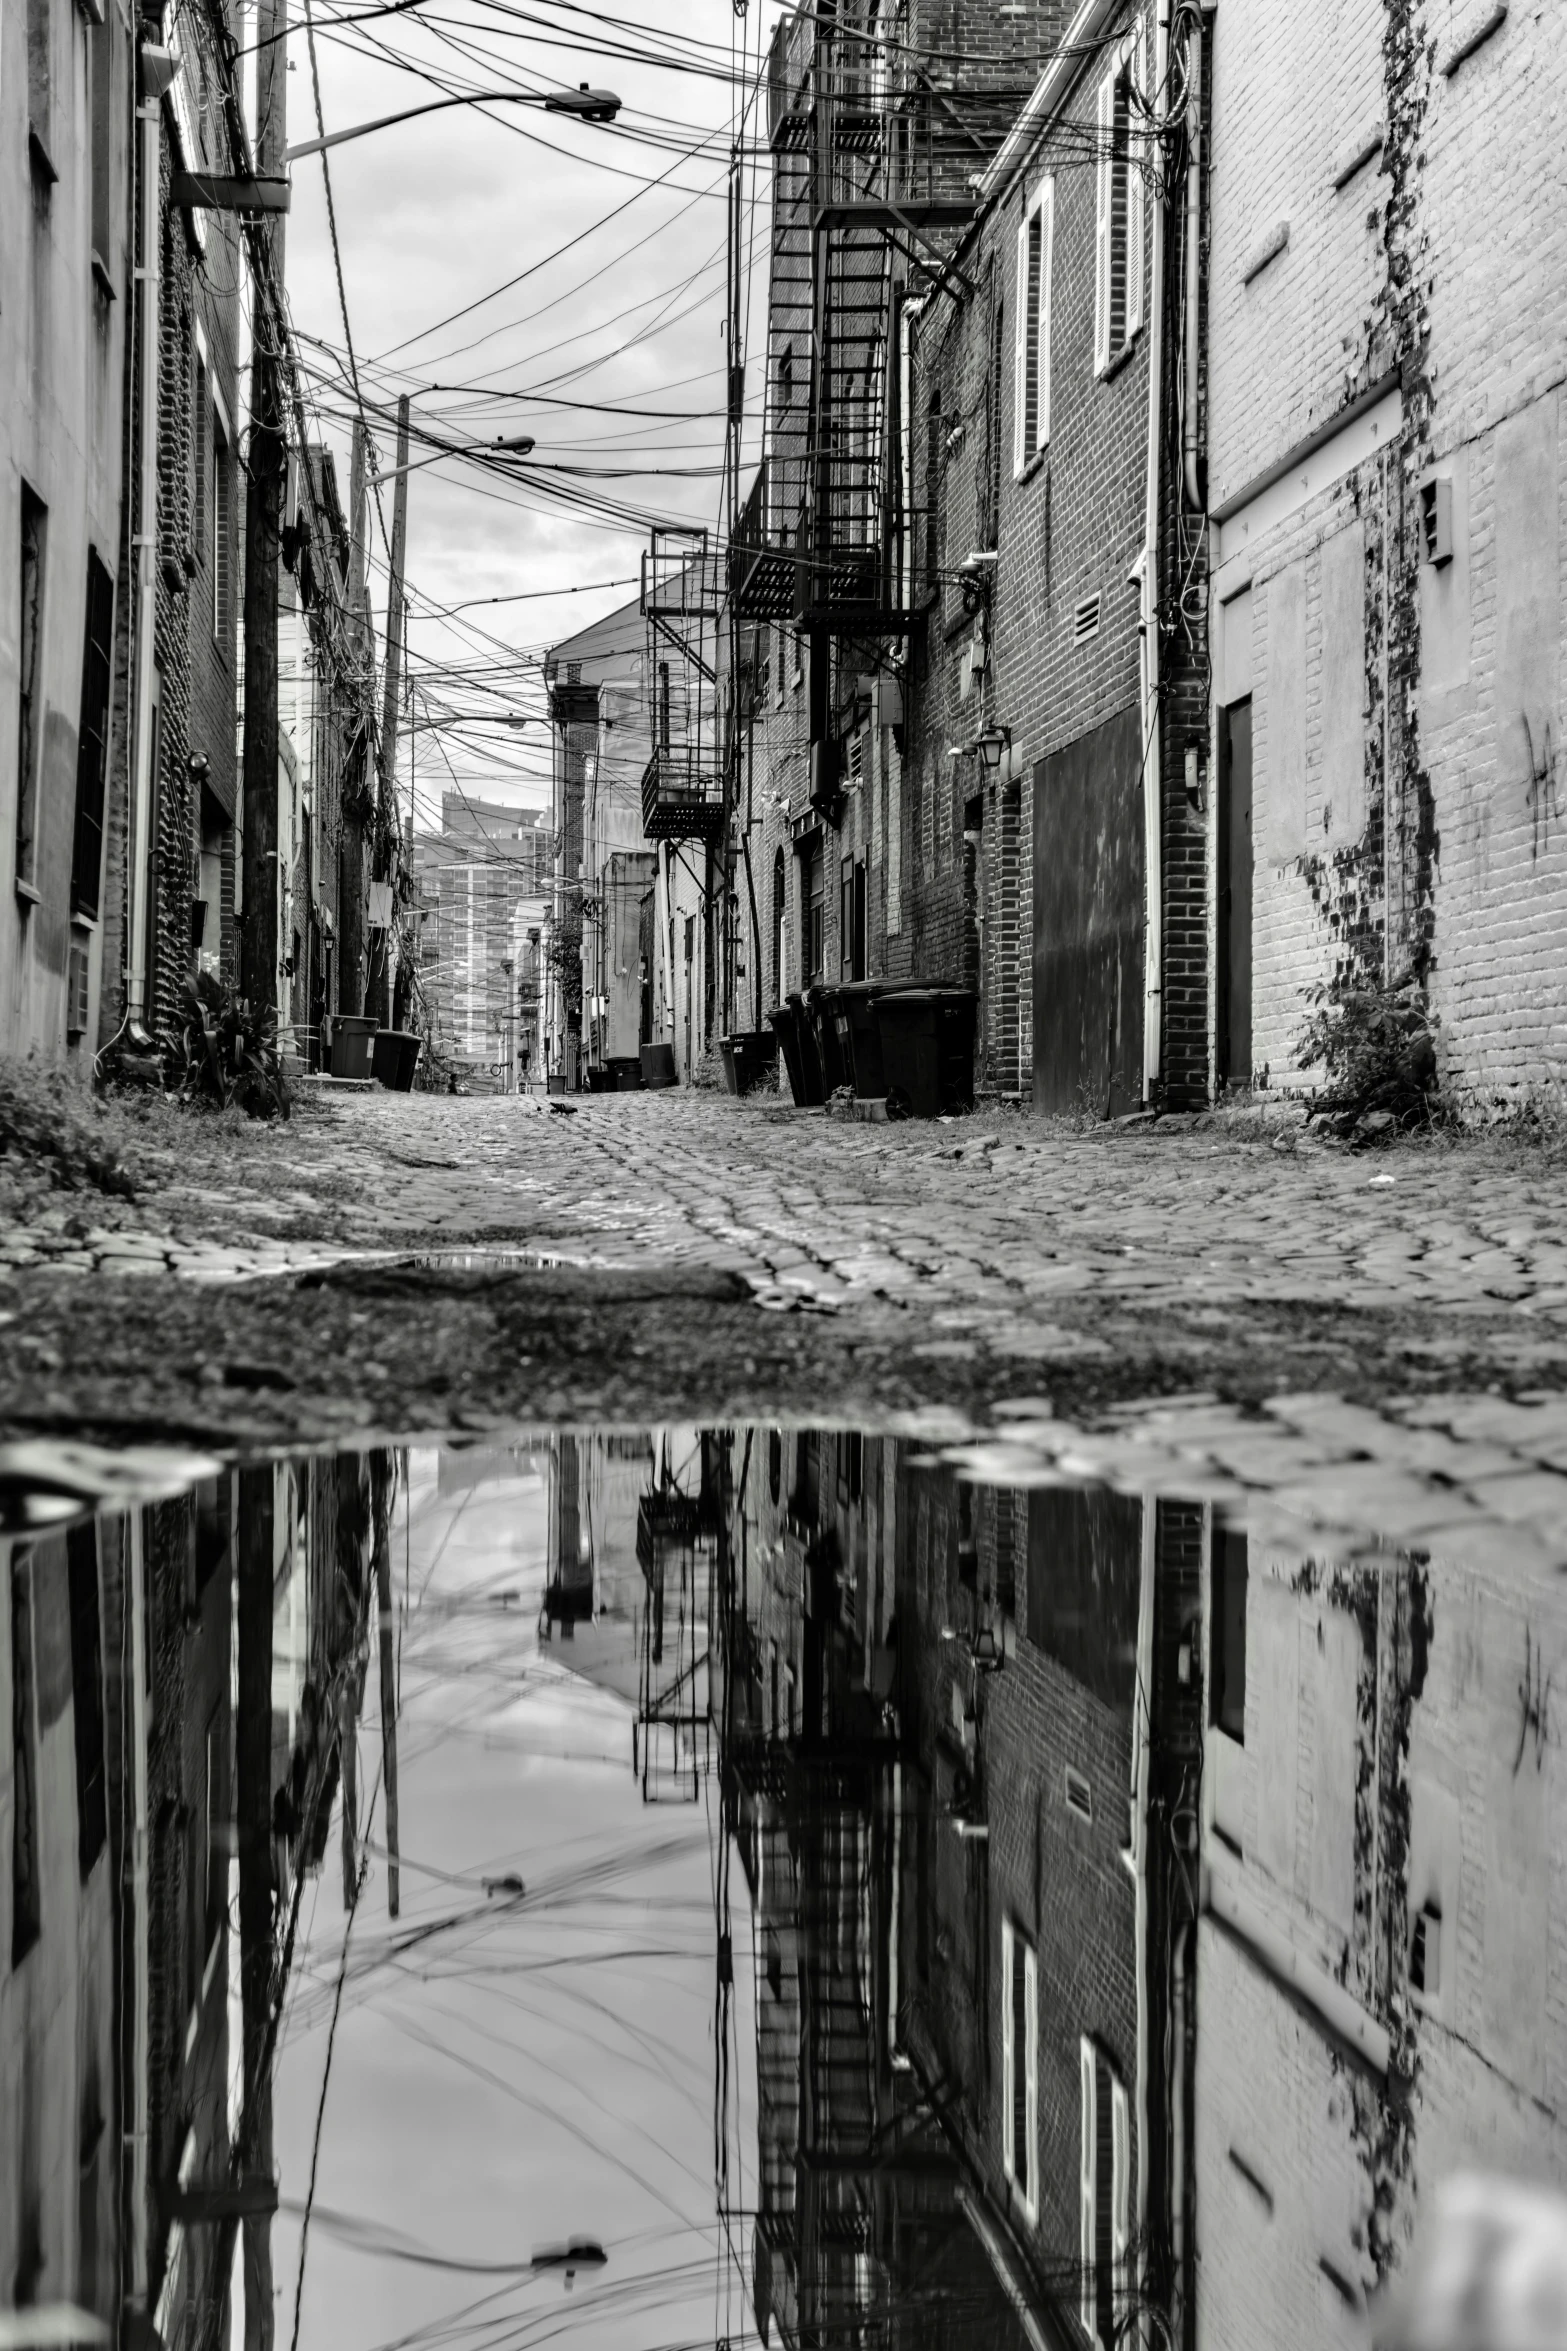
pixel 1120 206
pixel 1104 2194
pixel 1020 2068
pixel 1031 360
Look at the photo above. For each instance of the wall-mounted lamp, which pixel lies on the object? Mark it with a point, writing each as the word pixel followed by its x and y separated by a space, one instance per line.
pixel 993 746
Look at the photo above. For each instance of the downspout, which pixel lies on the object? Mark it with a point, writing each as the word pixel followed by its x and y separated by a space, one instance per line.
pixel 1153 944
pixel 1195 498
pixel 1180 2000
pixel 1142 1731
pixel 140 1943
pixel 143 547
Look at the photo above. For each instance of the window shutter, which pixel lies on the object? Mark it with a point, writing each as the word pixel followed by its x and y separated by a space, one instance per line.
pixel 1137 148
pixel 1020 449
pixel 1031 2100
pixel 1008 2051
pixel 1047 232
pixel 1104 180
pixel 1120 2185
pixel 1088 2186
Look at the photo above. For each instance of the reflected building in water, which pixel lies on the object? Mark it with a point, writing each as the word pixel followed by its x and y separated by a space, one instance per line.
pixel 1144 1917
pixel 141 1647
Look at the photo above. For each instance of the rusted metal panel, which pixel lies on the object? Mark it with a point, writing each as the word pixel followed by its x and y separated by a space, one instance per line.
pixel 1088 922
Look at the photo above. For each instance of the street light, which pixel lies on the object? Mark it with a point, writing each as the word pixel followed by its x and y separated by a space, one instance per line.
pixel 504 444
pixel 587 105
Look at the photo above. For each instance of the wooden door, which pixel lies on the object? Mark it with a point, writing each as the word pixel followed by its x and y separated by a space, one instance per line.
pixel 1235 892
pixel 1088 922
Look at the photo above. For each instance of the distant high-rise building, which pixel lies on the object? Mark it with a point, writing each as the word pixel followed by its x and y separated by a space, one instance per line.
pixel 483 884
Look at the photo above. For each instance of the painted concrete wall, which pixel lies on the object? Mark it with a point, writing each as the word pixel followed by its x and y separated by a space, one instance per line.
pixel 62 331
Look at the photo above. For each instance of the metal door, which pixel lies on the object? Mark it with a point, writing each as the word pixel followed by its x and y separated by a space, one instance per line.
pixel 1088 922
pixel 1235 880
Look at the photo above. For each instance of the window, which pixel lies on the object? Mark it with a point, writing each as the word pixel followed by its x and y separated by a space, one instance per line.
pixel 35 524
pixel 1020 2067
pixel 1104 2193
pixel 1228 1617
pixel 222 528
pixel 100 55
pixel 1031 368
pixel 92 742
pixel 1118 245
pixel 26 1916
pixel 81 1553
pixel 40 61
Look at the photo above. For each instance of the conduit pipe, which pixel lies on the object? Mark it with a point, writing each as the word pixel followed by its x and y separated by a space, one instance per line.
pixel 144 549
pixel 1153 943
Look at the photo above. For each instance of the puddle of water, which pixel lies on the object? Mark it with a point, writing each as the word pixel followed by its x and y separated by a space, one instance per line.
pixel 716 1885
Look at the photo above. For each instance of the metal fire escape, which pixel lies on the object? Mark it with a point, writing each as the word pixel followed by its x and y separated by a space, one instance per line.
pixel 872 161
pixel 682 603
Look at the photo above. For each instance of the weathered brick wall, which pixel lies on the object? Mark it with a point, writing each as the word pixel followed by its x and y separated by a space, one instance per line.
pixel 1396 269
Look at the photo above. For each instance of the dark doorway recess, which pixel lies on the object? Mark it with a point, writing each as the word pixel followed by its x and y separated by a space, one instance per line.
pixel 1235 872
pixel 1088 922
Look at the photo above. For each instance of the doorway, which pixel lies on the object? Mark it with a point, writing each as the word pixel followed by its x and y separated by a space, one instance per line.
pixel 1235 894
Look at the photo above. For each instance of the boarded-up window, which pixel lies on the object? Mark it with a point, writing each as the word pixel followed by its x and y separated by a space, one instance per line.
pixel 1342 687
pixel 1119 206
pixel 1279 746
pixel 92 742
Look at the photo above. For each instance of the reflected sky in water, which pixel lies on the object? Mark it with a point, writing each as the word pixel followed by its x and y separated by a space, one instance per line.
pixel 710 1886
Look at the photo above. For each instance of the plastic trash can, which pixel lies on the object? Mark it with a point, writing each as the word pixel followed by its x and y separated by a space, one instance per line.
pixel 658 1065
pixel 747 1056
pixel 353 1041
pixel 927 1048
pixel 859 1037
pixel 394 1056
pixel 812 1089
pixel 822 1002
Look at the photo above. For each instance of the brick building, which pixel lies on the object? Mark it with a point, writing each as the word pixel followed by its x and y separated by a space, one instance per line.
pixel 489 873
pixel 1385 491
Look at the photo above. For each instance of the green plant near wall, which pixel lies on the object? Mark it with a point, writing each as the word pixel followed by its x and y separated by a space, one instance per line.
pixel 223 1053
pixel 1377 1045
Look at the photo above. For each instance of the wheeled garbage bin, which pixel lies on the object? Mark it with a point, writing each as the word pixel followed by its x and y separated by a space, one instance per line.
pixel 927 1049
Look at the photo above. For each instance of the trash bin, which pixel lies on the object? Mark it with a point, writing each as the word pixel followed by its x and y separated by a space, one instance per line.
pixel 747 1056
pixel 394 1056
pixel 353 1040
pixel 800 1067
pixel 812 1089
pixel 600 1080
pixel 658 1065
pixel 859 1037
pixel 625 1072
pixel 822 1002
pixel 927 1048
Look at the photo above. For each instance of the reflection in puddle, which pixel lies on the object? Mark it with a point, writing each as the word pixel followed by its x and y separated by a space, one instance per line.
pixel 725 1885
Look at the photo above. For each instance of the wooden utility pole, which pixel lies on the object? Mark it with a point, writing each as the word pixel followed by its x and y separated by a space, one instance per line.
pixel 266 473
pixel 253 1824
pixel 393 695
pixel 383 1599
pixel 351 849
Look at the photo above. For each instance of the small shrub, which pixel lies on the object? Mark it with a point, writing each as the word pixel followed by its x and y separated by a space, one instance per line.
pixel 224 1053
pixel 1377 1046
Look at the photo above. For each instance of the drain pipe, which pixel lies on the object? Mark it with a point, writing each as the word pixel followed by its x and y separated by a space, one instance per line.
pixel 1180 1999
pixel 136 2219
pixel 1153 947
pixel 144 549
pixel 1195 497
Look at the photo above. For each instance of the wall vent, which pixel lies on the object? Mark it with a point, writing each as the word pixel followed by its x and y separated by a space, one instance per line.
pixel 1079 1795
pixel 1085 620
pixel 1425 1954
pixel 1436 518
pixel 78 990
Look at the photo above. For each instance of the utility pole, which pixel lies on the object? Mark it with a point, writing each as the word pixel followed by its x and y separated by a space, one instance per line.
pixel 393 695
pixel 253 1823
pixel 351 851
pixel 383 1600
pixel 266 474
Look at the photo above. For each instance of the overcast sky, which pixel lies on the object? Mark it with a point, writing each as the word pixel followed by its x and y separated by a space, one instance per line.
pixel 523 2075
pixel 621 234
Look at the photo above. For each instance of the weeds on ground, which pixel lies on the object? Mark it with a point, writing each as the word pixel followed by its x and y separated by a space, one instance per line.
pixel 56 1136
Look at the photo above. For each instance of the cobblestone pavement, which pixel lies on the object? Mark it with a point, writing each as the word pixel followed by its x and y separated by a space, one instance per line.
pixel 1381 1335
